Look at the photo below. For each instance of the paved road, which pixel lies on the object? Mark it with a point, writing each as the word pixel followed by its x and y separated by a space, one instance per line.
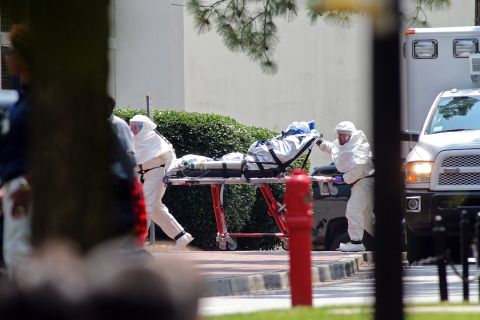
pixel 421 285
pixel 227 264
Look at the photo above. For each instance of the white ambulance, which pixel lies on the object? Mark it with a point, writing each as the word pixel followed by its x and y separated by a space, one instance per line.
pixel 442 170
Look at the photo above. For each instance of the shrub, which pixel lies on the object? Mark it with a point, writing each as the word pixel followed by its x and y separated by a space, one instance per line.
pixel 213 136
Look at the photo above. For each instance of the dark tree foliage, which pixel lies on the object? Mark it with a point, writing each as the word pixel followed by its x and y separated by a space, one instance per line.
pixel 249 26
pixel 245 25
pixel 417 17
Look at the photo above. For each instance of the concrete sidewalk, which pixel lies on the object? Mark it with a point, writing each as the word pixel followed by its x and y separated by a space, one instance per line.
pixel 241 272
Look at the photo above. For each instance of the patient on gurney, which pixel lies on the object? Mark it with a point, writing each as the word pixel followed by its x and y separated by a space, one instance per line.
pixel 270 158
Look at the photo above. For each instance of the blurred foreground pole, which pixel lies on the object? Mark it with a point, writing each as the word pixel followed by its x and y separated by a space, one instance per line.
pixel 148 98
pixel 440 255
pixel 477 253
pixel 464 252
pixel 70 140
pixel 388 180
pixel 298 198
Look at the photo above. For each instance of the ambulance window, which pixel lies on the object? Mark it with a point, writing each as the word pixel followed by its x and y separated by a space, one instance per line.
pixel 462 48
pixel 425 49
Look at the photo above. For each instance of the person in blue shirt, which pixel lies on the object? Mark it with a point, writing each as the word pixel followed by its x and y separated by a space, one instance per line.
pixel 16 196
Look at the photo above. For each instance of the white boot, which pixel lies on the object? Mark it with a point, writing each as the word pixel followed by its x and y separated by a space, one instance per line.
pixel 183 241
pixel 351 247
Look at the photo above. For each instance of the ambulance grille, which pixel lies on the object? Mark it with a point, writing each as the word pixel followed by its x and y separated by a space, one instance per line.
pixel 462 161
pixel 456 170
pixel 458 179
pixel 476 64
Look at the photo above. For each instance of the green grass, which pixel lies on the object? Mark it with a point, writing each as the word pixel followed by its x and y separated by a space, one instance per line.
pixel 452 312
pixel 294 313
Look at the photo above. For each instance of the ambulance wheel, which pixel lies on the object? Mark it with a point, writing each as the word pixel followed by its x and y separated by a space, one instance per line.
pixel 284 243
pixel 232 244
pixel 418 247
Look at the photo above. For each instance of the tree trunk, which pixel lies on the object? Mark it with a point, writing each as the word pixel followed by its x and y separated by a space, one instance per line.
pixel 70 141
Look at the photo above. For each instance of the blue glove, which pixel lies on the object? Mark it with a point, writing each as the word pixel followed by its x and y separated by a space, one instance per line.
pixel 339 180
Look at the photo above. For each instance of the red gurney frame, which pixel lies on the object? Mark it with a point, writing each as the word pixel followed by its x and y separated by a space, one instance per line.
pixel 276 210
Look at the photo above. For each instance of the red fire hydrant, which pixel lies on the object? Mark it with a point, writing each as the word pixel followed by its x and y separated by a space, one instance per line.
pixel 298 198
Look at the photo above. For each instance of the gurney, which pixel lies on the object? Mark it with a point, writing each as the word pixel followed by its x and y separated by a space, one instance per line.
pixel 276 209
pixel 265 163
pixel 264 159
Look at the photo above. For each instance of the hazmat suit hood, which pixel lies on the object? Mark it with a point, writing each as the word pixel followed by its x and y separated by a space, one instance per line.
pixel 148 143
pixel 345 127
pixel 356 151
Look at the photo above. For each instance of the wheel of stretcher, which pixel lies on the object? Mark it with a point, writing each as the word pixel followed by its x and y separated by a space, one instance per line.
pixel 222 244
pixel 284 243
pixel 232 244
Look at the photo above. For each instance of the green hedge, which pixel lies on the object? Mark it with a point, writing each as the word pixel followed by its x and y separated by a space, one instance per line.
pixel 213 136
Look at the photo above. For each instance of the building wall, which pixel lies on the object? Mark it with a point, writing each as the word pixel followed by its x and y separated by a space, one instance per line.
pixel 324 74
pixel 146 53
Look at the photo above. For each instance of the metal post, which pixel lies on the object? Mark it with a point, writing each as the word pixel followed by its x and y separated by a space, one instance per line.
pixel 149 114
pixel 477 237
pixel 388 178
pixel 439 239
pixel 464 244
pixel 298 198
pixel 149 102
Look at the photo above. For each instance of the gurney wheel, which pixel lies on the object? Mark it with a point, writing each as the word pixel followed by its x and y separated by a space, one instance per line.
pixel 232 244
pixel 285 244
pixel 222 245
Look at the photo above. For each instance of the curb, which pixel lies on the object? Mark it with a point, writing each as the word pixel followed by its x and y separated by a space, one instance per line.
pixel 341 269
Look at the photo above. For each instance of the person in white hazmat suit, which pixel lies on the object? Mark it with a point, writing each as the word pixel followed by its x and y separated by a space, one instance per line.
pixel 154 154
pixel 352 157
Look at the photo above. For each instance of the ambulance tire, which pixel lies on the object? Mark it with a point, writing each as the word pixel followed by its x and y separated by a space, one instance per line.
pixel 418 247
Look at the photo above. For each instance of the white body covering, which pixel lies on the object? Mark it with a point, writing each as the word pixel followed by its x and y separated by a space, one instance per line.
pixel 122 131
pixel 286 148
pixel 154 190
pixel 154 151
pixel 353 159
pixel 148 144
pixel 17 232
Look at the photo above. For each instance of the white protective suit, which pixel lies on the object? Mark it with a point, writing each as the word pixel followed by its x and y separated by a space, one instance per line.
pixel 354 160
pixel 17 234
pixel 154 152
pixel 122 131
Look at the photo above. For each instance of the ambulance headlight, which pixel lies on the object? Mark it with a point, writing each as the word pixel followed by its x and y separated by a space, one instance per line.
pixel 462 48
pixel 425 49
pixel 418 171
